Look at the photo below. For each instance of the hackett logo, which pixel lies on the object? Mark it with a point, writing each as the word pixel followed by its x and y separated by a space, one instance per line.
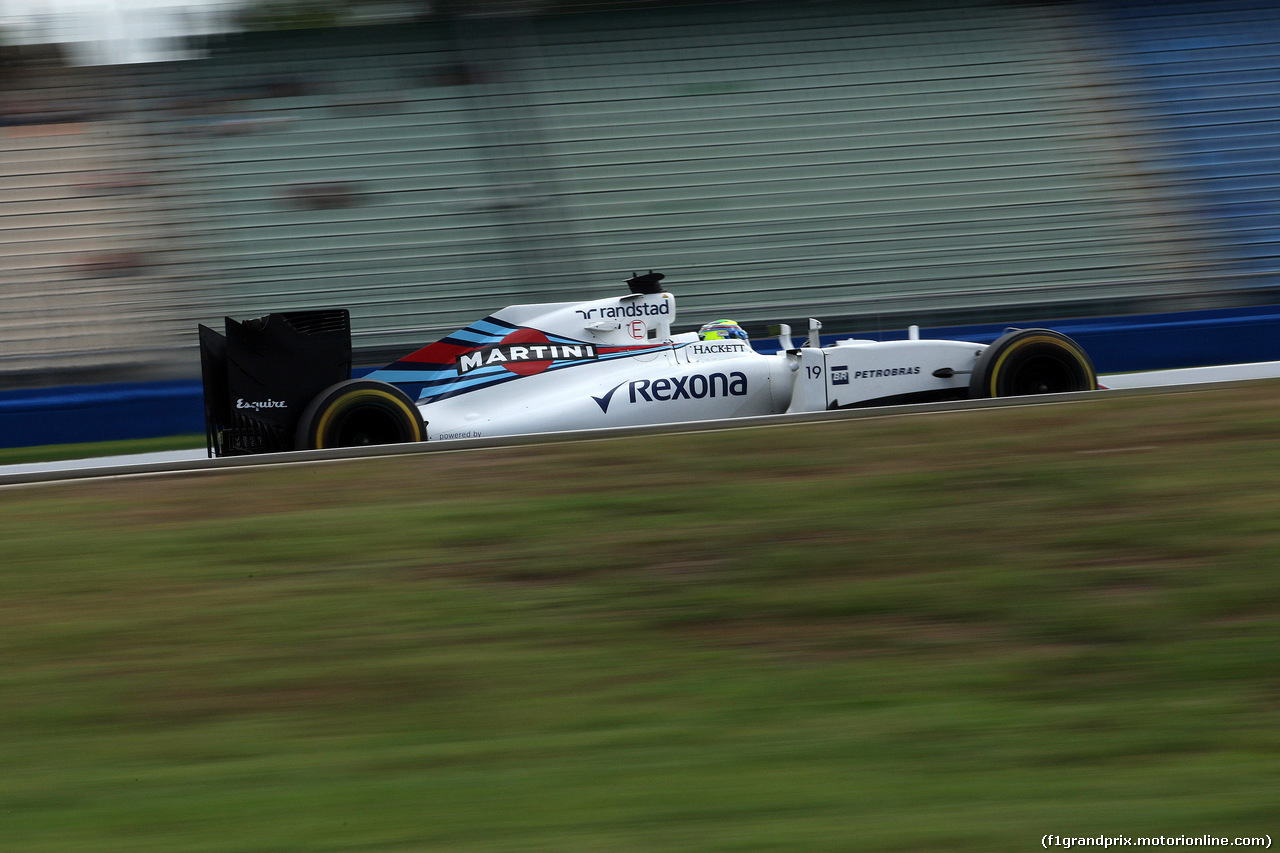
pixel 530 354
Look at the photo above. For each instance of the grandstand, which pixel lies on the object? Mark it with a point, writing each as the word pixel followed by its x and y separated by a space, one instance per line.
pixel 83 237
pixel 873 164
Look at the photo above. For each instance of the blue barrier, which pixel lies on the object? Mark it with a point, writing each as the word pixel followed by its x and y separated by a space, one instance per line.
pixel 1149 341
pixel 89 413
pixel 83 413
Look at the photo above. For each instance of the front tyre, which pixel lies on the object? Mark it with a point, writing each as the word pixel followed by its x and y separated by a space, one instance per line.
pixel 357 413
pixel 1032 361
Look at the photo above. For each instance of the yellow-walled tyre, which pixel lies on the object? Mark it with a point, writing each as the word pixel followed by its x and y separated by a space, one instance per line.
pixel 1032 361
pixel 357 413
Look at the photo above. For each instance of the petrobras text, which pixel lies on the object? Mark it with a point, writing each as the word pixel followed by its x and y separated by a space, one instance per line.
pixel 516 353
pixel 888 371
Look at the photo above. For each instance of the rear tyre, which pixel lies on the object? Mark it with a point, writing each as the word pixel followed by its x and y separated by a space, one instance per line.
pixel 357 413
pixel 1032 361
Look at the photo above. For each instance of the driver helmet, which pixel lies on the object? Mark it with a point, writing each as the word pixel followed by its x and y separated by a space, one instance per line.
pixel 722 330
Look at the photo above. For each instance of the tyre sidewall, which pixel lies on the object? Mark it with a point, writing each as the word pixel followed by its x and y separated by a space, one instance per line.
pixel 329 407
pixel 993 371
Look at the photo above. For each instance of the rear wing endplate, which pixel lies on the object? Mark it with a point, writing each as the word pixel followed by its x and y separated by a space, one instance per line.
pixel 260 374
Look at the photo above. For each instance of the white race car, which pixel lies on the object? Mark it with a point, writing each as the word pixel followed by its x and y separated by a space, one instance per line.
pixel 283 382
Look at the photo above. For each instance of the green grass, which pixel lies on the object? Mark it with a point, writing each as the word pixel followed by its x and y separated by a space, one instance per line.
pixel 55 452
pixel 954 632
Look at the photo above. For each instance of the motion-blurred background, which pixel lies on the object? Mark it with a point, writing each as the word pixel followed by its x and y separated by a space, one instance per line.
pixel 870 163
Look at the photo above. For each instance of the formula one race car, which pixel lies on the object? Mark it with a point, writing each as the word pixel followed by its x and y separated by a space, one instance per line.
pixel 283 382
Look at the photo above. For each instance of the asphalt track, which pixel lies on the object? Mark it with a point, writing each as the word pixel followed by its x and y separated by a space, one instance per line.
pixel 194 461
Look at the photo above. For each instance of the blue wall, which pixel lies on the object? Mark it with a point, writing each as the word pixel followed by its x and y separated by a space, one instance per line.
pixel 85 413
pixel 1157 341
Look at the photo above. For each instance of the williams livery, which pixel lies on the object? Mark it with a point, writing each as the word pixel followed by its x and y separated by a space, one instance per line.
pixel 283 382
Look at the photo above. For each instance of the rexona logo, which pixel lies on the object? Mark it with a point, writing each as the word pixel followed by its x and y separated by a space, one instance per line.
pixel 524 352
pixel 259 405
pixel 694 387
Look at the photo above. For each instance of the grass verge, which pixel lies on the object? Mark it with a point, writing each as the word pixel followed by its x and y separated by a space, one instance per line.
pixel 957 632
pixel 56 452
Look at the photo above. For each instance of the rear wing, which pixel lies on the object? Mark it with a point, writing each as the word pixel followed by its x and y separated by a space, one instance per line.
pixel 261 374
